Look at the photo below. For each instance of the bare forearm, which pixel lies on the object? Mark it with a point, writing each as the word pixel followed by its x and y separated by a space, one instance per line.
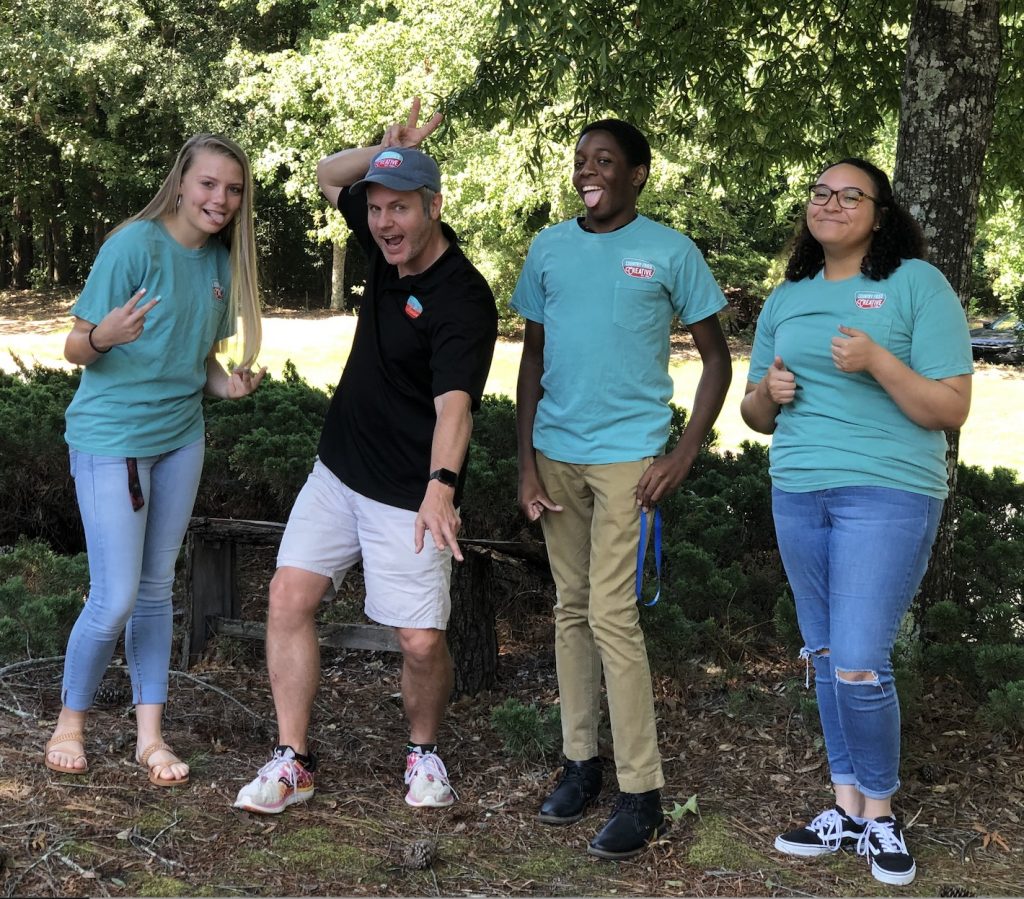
pixel 707 404
pixel 344 169
pixel 933 404
pixel 77 348
pixel 529 393
pixel 758 409
pixel 216 378
pixel 452 431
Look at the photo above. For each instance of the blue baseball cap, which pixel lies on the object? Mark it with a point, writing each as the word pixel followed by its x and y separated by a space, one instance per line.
pixel 401 168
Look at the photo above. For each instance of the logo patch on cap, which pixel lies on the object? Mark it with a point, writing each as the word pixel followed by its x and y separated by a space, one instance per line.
pixel 218 291
pixel 413 307
pixel 867 300
pixel 388 160
pixel 638 268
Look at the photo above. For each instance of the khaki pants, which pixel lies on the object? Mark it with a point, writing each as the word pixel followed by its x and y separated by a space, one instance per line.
pixel 592 546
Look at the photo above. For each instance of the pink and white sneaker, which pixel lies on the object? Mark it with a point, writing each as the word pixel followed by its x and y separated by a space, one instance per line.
pixel 281 782
pixel 428 781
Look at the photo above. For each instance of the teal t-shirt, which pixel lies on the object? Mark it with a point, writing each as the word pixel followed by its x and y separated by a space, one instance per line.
pixel 843 429
pixel 145 397
pixel 606 302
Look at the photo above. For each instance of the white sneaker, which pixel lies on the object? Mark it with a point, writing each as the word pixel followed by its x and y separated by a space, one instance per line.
pixel 428 781
pixel 281 782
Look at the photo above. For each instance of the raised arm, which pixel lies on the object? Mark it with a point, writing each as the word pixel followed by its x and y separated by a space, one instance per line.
pixel 340 170
pixel 123 324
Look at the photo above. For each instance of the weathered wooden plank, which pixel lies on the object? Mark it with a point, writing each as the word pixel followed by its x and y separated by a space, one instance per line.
pixel 339 636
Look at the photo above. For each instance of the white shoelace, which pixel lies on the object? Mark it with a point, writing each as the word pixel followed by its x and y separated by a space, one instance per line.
pixel 828 826
pixel 428 764
pixel 277 762
pixel 885 833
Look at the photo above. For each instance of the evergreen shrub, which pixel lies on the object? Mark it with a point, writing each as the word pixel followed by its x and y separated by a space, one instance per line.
pixel 37 494
pixel 41 595
pixel 526 731
pixel 260 449
pixel 1004 710
pixel 723 587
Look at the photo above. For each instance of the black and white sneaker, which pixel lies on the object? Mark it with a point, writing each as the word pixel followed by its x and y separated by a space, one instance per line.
pixel 882 842
pixel 829 832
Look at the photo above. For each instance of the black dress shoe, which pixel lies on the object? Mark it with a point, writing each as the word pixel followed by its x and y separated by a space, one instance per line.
pixel 636 820
pixel 576 789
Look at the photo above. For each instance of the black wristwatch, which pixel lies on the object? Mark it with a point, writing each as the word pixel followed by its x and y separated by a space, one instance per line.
pixel 445 476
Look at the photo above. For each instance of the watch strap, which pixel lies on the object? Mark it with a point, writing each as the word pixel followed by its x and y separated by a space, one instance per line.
pixel 446 476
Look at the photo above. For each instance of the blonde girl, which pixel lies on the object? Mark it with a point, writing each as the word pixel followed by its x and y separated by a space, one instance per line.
pixel 168 288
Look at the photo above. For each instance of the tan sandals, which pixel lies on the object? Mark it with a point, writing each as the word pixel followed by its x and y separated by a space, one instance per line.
pixel 156 769
pixel 68 736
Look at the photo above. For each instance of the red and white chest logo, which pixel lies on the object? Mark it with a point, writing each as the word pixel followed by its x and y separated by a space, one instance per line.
pixel 865 300
pixel 218 291
pixel 638 268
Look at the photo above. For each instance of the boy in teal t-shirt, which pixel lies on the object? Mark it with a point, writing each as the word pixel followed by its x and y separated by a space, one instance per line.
pixel 599 294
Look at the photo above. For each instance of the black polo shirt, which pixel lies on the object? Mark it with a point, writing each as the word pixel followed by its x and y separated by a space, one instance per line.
pixel 417 337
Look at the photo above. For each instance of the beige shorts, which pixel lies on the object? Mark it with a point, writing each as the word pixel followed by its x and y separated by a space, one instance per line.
pixel 331 527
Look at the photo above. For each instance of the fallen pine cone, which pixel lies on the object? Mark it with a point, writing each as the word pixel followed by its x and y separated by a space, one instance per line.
pixel 420 854
pixel 947 891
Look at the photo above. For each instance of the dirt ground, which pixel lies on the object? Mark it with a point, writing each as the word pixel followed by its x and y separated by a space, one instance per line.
pixel 733 739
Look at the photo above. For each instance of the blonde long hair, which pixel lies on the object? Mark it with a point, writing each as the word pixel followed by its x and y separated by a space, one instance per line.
pixel 237 236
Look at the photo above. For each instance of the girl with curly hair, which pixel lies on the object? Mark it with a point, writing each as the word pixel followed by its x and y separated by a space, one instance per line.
pixel 861 359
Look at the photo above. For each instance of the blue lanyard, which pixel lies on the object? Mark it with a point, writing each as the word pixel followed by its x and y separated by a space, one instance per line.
pixel 641 551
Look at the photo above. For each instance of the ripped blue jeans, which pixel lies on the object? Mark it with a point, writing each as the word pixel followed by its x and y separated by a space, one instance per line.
pixel 855 557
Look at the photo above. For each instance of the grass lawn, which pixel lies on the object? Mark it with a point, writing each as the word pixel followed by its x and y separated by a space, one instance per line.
pixel 319 347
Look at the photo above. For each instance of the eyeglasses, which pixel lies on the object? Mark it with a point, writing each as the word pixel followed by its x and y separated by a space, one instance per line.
pixel 848 197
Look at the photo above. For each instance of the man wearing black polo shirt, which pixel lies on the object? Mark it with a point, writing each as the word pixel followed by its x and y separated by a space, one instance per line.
pixel 391 461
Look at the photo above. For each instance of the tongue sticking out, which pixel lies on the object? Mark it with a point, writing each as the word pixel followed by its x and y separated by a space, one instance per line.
pixel 592 197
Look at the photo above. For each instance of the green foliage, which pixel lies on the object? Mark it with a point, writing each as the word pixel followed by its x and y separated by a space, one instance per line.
pixel 997 663
pixel 787 628
pixel 526 731
pixel 260 449
pixel 979 638
pixel 723 588
pixel 490 507
pixel 37 491
pixel 675 642
pixel 40 598
pixel 1004 710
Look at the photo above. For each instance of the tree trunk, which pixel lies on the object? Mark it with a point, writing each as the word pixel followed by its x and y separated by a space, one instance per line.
pixel 60 264
pixel 6 250
pixel 22 257
pixel 472 639
pixel 946 109
pixel 99 224
pixel 338 276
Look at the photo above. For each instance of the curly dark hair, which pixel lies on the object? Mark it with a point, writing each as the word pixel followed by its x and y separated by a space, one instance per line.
pixel 898 236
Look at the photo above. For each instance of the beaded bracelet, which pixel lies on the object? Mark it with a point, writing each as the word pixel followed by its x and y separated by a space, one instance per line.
pixel 96 348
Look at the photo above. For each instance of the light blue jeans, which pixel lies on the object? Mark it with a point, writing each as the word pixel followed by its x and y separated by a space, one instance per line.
pixel 131 569
pixel 855 557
